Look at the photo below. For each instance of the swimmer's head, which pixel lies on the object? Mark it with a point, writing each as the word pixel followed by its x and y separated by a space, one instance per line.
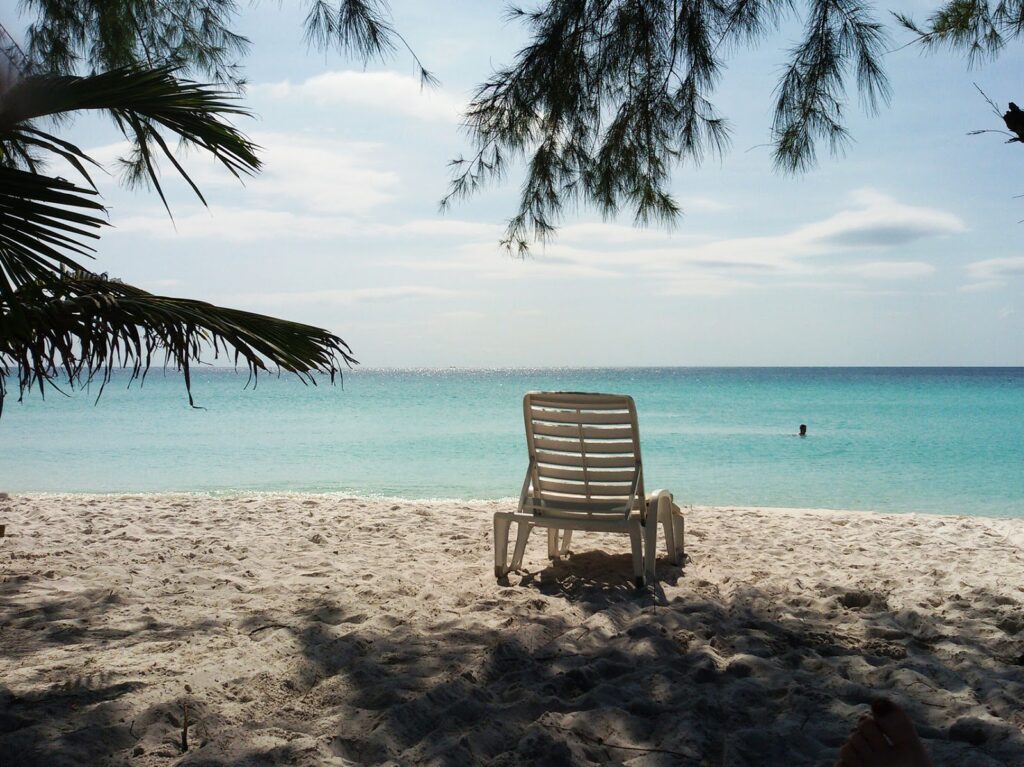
pixel 803 430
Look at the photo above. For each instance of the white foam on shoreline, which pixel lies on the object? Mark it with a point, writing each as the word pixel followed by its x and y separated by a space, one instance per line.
pixel 384 498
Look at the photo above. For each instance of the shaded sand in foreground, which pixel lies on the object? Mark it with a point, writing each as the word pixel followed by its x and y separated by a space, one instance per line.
pixel 315 630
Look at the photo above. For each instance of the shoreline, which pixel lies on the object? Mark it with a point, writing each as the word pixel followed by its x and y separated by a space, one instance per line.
pixel 227 495
pixel 307 630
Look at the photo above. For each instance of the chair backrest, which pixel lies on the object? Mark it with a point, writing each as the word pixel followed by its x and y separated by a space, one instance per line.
pixel 585 454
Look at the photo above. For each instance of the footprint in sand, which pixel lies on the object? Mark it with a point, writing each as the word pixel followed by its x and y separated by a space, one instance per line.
pixel 1012 625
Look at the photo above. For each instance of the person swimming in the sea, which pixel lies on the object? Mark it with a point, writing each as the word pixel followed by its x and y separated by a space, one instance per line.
pixel 803 430
pixel 884 738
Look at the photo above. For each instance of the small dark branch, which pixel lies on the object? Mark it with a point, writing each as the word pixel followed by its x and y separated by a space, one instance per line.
pixel 618 747
pixel 427 78
pixel 1000 132
pixel 1013 117
pixel 270 626
pixel 184 727
pixel 991 103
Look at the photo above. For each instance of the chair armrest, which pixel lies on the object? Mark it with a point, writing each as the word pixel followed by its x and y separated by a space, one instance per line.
pixel 653 499
pixel 633 499
pixel 526 485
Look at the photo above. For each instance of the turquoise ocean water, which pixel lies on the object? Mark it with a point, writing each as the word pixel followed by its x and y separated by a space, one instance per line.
pixel 934 440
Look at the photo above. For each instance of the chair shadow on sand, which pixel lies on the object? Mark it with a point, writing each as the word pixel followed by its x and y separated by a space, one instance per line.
pixel 595 578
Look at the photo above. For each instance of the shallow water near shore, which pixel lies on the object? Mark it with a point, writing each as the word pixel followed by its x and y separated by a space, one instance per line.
pixel 945 440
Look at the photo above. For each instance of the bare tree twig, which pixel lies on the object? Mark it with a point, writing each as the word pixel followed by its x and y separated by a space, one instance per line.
pixel 184 727
pixel 991 103
pixel 269 626
pixel 619 747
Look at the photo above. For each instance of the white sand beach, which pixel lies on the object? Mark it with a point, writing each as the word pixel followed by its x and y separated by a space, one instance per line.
pixel 326 630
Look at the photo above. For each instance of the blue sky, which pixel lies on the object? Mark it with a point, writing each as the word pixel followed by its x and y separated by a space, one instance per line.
pixel 904 251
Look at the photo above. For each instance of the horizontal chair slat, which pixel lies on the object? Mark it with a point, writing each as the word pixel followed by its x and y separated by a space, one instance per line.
pixel 609 523
pixel 575 459
pixel 558 472
pixel 588 432
pixel 574 400
pixel 582 508
pixel 589 489
pixel 574 446
pixel 571 416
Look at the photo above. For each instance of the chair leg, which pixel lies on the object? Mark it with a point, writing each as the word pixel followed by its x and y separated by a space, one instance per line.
pixel 665 520
pixel 501 526
pixel 679 535
pixel 552 543
pixel 566 537
pixel 650 549
pixel 638 555
pixel 671 519
pixel 522 534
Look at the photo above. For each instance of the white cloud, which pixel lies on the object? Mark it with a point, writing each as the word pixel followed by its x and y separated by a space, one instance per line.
pixel 588 234
pixel 600 235
pixel 253 224
pixel 108 154
pixel 488 261
pixel 343 296
pixel 441 227
pixel 309 188
pixel 701 265
pixel 891 270
pixel 979 287
pixel 689 264
pixel 461 314
pixel 160 284
pixel 231 224
pixel 992 273
pixel 704 205
pixel 310 173
pixel 697 283
pixel 383 91
pixel 323 175
pixel 560 262
pixel 878 221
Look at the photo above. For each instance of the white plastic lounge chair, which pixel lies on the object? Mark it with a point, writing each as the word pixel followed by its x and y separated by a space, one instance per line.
pixel 585 473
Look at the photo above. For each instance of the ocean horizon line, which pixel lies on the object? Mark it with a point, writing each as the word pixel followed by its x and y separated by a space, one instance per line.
pixel 527 368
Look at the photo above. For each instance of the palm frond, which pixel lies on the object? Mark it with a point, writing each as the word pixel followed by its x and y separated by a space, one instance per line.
pixel 43 222
pixel 143 102
pixel 58 320
pixel 80 326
